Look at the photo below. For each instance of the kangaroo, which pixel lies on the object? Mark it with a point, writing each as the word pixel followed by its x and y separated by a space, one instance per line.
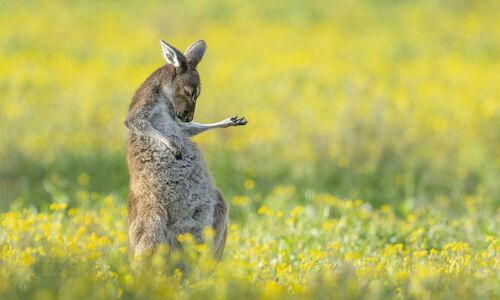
pixel 171 191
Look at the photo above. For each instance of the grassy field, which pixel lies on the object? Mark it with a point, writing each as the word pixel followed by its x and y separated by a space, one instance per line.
pixel 370 167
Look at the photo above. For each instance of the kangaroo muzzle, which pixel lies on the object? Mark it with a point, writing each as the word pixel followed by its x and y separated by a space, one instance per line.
pixel 186 116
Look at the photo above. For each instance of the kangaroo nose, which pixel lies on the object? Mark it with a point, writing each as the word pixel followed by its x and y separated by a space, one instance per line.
pixel 187 116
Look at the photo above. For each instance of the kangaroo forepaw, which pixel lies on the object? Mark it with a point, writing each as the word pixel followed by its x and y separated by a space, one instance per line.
pixel 176 152
pixel 236 121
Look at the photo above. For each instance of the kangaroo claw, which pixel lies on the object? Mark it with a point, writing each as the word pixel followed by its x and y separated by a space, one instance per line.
pixel 177 153
pixel 236 121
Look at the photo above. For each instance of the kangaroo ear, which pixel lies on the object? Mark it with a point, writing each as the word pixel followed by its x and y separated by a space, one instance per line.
pixel 195 52
pixel 172 55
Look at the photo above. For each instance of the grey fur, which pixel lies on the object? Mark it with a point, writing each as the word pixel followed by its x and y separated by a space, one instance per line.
pixel 171 190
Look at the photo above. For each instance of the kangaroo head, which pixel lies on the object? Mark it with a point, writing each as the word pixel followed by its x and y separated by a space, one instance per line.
pixel 183 88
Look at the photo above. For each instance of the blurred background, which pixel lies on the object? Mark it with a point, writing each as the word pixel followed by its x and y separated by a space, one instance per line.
pixel 392 102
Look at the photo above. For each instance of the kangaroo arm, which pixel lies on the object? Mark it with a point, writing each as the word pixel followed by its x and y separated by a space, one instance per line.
pixel 138 122
pixel 193 128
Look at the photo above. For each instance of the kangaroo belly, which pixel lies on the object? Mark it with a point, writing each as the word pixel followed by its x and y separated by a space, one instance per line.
pixel 183 188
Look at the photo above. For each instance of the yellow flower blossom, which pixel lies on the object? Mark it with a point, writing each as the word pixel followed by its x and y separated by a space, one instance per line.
pixel 249 184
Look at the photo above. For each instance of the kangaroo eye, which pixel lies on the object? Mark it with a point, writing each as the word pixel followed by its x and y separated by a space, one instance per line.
pixel 196 93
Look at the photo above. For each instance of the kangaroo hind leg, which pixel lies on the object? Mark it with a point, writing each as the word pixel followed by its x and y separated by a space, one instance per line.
pixel 147 231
